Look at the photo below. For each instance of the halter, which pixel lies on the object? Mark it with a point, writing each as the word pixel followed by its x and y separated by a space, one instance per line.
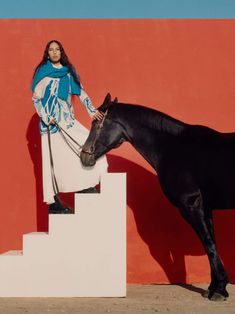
pixel 99 128
pixel 100 125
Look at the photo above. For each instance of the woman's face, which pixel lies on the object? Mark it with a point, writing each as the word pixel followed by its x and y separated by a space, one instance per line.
pixel 54 52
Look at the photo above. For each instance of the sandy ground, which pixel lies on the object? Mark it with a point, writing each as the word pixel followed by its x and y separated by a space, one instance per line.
pixel 141 299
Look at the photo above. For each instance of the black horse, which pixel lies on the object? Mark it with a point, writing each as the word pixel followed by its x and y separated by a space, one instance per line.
pixel 195 166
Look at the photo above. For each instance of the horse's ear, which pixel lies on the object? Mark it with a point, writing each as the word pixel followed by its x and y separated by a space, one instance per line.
pixel 106 103
pixel 115 100
pixel 107 98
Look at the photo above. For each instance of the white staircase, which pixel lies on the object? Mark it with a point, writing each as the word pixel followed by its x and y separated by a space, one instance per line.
pixel 83 255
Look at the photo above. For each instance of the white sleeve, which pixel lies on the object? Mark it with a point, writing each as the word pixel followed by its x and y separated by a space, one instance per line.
pixel 85 99
pixel 37 102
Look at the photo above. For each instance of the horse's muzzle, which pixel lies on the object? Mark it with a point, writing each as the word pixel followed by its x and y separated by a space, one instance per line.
pixel 87 159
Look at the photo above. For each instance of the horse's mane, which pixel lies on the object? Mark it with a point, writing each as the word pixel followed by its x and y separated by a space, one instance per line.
pixel 150 118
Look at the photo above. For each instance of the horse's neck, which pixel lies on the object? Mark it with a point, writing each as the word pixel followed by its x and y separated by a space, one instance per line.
pixel 140 116
pixel 147 137
pixel 147 144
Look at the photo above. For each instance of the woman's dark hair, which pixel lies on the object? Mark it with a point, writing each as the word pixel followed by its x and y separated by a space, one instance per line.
pixel 64 60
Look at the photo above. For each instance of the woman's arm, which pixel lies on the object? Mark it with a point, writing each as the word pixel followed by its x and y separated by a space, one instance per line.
pixel 37 102
pixel 85 99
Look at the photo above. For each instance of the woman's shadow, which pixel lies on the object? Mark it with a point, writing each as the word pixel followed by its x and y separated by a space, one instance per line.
pixel 34 147
pixel 159 224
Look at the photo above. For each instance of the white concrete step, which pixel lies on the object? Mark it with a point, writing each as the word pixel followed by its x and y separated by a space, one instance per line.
pixel 82 255
pixel 12 253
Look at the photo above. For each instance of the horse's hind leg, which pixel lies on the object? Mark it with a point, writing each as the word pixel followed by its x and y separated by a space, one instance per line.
pixel 192 210
pixel 214 282
pixel 210 227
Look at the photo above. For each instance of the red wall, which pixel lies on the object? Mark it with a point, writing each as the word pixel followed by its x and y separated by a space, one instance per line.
pixel 185 68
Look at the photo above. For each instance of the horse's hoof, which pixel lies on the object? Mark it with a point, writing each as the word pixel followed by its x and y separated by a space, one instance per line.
pixel 217 297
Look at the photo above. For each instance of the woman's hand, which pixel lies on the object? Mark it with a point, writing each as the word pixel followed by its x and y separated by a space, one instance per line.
pixel 52 121
pixel 98 115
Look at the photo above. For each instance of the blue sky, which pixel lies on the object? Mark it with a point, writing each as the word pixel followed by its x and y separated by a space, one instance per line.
pixel 117 9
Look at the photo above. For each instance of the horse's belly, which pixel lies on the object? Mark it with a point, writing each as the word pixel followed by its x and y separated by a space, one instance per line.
pixel 220 195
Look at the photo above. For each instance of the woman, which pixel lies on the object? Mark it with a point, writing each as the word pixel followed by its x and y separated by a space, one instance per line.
pixel 54 81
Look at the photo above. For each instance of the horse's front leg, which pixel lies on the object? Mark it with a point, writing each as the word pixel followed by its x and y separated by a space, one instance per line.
pixel 193 211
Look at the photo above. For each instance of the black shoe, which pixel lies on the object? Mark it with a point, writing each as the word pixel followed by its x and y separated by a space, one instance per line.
pixel 54 209
pixel 58 208
pixel 89 190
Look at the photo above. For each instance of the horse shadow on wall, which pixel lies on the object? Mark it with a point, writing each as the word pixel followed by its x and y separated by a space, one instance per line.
pixel 163 229
pixel 159 224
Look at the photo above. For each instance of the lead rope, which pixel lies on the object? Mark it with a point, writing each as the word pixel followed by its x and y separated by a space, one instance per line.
pixel 73 148
pixel 54 181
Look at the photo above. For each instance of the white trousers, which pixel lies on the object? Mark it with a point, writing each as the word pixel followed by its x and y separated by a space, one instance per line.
pixel 70 174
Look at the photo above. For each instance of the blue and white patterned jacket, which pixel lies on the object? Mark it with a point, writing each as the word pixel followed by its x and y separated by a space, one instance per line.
pixel 49 106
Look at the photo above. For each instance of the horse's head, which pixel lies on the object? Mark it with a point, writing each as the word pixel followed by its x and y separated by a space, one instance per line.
pixel 104 135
